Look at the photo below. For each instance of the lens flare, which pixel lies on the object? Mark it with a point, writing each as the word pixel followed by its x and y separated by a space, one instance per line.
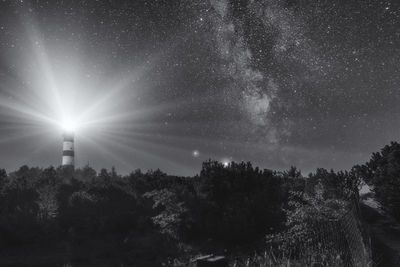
pixel 69 126
pixel 56 86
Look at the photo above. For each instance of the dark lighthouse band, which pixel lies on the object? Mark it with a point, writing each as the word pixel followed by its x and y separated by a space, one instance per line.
pixel 70 153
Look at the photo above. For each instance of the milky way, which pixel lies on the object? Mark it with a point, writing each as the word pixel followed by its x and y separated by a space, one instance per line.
pixel 277 83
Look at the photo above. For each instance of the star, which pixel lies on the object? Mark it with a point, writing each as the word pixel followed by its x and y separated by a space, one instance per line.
pixel 273 83
pixel 225 162
pixel 195 153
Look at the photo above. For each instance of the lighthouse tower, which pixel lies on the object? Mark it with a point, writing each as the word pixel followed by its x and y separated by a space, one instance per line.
pixel 68 149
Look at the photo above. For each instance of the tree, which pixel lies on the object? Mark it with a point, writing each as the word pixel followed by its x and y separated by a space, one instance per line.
pixel 341 185
pixel 170 217
pixel 293 172
pixel 306 213
pixel 86 174
pixel 234 204
pixel 382 171
pixel 3 178
pixel 18 210
pixel 47 202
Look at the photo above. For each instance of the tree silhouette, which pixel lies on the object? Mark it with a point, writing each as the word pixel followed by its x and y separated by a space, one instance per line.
pixel 383 172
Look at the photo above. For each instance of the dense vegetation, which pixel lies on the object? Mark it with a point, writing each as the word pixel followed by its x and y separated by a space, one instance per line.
pixel 382 172
pixel 147 219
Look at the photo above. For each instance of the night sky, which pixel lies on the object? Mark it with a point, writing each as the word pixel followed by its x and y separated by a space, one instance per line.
pixel 173 83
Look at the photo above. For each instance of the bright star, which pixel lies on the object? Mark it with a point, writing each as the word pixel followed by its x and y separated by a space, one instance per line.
pixel 225 162
pixel 196 153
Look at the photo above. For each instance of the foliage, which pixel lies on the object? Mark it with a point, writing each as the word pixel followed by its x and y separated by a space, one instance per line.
pixel 222 207
pixel 293 173
pixel 320 257
pixel 47 202
pixel 233 204
pixel 18 210
pixel 169 220
pixel 341 185
pixel 382 171
pixel 304 213
pixel 318 229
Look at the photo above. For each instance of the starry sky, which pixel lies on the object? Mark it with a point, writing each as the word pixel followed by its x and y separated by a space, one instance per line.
pixel 310 83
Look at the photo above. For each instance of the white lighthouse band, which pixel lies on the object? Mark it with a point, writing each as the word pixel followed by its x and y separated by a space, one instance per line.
pixel 68 155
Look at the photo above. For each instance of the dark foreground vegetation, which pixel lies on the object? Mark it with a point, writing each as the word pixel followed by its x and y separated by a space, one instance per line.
pixel 64 217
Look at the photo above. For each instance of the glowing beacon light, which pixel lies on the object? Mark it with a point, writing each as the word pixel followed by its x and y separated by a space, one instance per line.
pixel 68 149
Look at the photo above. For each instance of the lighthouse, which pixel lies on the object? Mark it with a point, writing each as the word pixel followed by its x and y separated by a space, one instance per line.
pixel 68 149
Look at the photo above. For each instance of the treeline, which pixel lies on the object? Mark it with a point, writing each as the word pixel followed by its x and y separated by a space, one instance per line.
pixel 149 218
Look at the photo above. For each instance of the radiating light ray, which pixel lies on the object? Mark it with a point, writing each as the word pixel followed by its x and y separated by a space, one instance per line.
pixel 89 112
pixel 145 154
pixel 131 142
pixel 26 111
pixel 99 145
pixel 21 93
pixel 51 91
pixel 132 115
pixel 45 66
pixel 177 145
pixel 167 138
pixel 41 146
pixel 127 146
pixel 128 79
pixel 20 136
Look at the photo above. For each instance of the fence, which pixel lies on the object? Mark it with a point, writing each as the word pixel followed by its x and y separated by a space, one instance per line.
pixel 346 238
